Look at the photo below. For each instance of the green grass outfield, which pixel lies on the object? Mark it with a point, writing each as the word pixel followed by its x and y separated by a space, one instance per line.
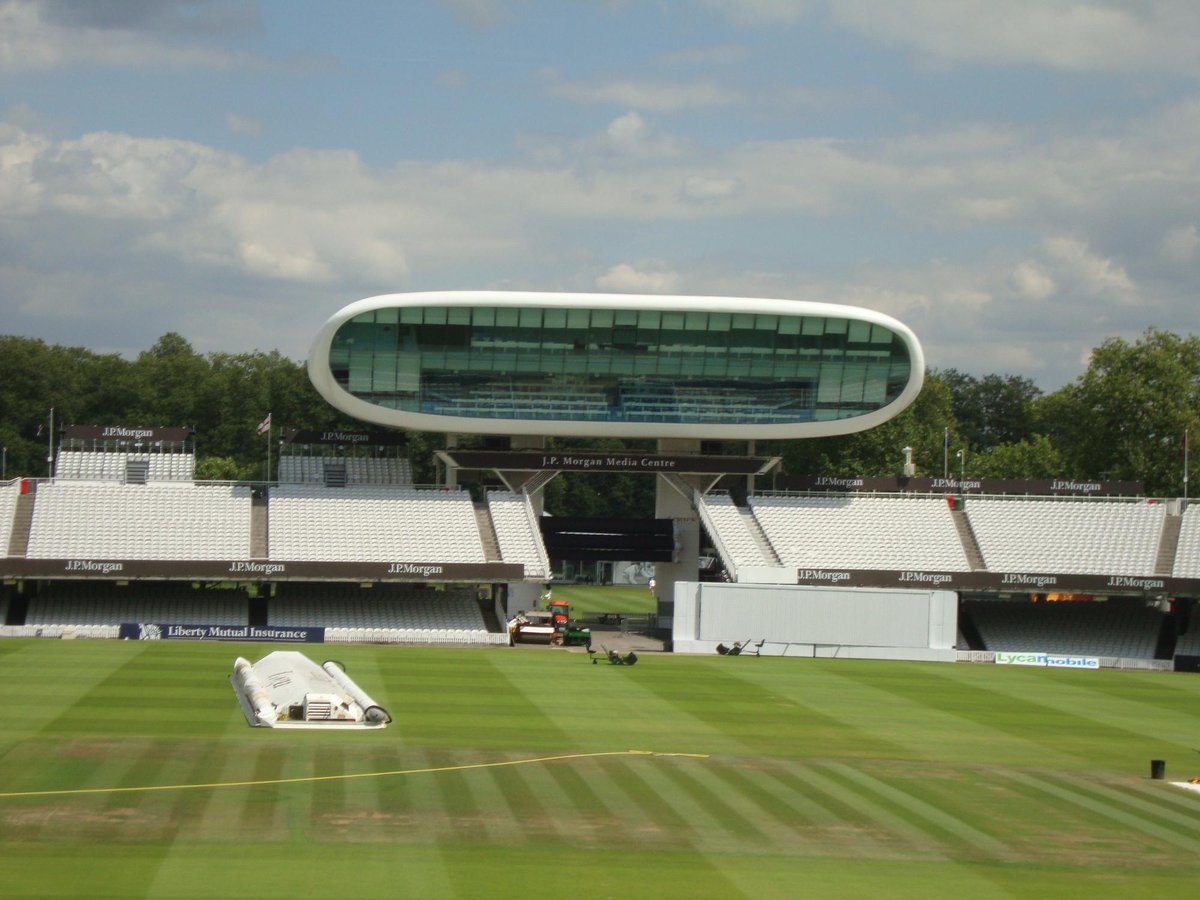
pixel 614 598
pixel 809 778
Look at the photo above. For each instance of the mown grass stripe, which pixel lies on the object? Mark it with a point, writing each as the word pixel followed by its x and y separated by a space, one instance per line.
pixel 478 808
pixel 209 811
pixel 939 818
pixel 732 701
pixel 1148 804
pixel 1103 807
pixel 152 759
pixel 805 824
pixel 422 799
pixel 777 819
pixel 798 796
pixel 954 709
pixel 60 687
pixel 832 815
pixel 712 834
pixel 186 809
pixel 524 807
pixel 260 809
pixel 502 817
pixel 826 780
pixel 767 803
pixel 575 784
pixel 558 811
pixel 1076 711
pixel 728 812
pixel 458 810
pixel 661 821
pixel 329 797
pixel 1169 795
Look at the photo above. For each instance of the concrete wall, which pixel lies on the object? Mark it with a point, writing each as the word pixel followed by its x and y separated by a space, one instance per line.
pixel 872 623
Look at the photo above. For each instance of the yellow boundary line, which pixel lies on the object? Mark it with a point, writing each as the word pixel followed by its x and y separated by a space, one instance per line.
pixel 313 778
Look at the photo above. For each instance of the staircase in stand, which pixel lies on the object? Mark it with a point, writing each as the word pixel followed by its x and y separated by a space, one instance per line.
pixel 259 528
pixel 487 532
pixel 1168 544
pixel 18 540
pixel 969 544
pixel 760 538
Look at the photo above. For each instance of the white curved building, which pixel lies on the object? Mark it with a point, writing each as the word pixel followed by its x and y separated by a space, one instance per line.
pixel 593 365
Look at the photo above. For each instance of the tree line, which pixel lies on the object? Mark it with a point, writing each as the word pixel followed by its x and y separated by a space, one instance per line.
pixel 1124 418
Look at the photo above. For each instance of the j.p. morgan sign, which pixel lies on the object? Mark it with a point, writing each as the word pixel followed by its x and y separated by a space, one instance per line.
pixel 1004 582
pixel 260 570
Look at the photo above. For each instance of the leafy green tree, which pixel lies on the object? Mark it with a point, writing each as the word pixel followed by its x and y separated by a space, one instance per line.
pixel 993 409
pixel 171 383
pixel 1035 457
pixel 225 468
pixel 880 451
pixel 1126 416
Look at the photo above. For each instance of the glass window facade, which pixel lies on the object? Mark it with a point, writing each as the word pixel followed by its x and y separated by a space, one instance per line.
pixel 619 365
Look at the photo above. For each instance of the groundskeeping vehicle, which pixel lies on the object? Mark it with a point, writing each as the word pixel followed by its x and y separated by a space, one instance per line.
pixel 552 625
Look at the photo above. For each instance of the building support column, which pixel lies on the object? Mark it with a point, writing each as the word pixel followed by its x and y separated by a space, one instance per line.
pixel 670 504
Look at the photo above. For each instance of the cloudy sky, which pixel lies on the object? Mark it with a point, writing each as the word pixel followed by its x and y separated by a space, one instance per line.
pixel 1015 180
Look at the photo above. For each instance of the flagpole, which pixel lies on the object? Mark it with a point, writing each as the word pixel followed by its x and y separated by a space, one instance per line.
pixel 270 425
pixel 1185 467
pixel 50 450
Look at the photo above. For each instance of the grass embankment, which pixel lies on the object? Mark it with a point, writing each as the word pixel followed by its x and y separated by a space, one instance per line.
pixel 813 777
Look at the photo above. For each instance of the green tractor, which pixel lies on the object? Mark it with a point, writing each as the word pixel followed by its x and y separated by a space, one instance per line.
pixel 569 633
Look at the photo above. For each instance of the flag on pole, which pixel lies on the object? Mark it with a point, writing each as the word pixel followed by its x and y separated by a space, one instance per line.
pixel 264 425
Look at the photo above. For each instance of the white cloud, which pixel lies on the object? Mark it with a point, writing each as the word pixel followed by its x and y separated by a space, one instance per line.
pixel 1094 273
pixel 724 55
pixel 707 189
pixel 1016 238
pixel 1181 244
pixel 245 125
pixel 1079 36
pixel 1032 283
pixel 38 36
pixel 642 94
pixel 631 135
pixel 762 12
pixel 1154 35
pixel 479 13
pixel 651 278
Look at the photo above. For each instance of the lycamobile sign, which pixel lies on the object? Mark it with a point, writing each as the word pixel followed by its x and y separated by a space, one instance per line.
pixel 1052 660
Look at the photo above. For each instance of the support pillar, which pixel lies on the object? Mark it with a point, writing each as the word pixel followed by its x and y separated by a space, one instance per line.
pixel 670 504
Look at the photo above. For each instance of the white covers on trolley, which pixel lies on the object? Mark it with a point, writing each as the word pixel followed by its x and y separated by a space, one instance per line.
pixel 286 689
